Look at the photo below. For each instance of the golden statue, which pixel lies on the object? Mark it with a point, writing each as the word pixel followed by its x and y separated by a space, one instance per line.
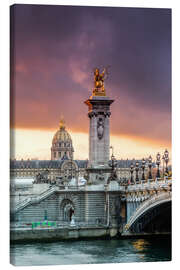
pixel 61 122
pixel 99 82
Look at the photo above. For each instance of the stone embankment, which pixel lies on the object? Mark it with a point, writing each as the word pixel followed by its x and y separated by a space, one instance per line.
pixel 24 235
pixel 59 233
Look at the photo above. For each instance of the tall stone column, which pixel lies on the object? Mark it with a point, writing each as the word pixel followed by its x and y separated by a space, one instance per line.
pixel 99 137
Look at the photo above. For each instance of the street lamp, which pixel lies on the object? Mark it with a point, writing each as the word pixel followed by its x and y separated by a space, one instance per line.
pixel 87 163
pixel 131 171
pixel 150 167
pixel 137 169
pixel 71 168
pixel 111 147
pixel 158 162
pixel 163 159
pixel 113 160
pixel 143 167
pixel 113 164
pixel 166 159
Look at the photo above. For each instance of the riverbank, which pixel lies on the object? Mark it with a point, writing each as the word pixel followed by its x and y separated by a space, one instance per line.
pixel 51 234
pixel 26 235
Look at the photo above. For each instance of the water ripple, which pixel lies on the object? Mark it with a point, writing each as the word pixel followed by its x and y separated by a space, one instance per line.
pixel 92 251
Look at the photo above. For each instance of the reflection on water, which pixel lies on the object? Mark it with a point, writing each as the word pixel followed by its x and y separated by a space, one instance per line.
pixel 140 244
pixel 92 251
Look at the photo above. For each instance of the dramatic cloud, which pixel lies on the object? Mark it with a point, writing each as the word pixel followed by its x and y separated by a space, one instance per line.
pixel 55 48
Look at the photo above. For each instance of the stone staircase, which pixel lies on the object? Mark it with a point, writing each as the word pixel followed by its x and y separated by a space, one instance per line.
pixel 21 205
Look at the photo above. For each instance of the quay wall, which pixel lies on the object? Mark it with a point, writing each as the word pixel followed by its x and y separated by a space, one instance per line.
pixel 73 233
pixel 54 234
pixel 88 206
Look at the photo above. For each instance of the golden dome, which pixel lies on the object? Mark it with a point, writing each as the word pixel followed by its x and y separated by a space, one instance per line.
pixel 62 147
pixel 62 135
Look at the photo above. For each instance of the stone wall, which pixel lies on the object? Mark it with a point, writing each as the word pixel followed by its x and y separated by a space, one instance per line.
pixel 95 207
pixel 51 234
pixel 89 207
pixel 36 211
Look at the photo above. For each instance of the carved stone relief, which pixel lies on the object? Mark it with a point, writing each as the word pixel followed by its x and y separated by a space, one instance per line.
pixel 100 128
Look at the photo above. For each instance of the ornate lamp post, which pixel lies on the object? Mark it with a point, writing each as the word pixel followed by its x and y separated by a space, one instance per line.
pixel 158 162
pixel 143 167
pixel 113 165
pixel 113 162
pixel 131 171
pixel 71 169
pixel 150 167
pixel 163 159
pixel 137 169
pixel 166 159
pixel 87 163
pixel 111 147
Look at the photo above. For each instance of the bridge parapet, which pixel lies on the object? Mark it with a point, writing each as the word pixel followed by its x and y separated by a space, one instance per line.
pixel 153 185
pixel 146 205
pixel 140 193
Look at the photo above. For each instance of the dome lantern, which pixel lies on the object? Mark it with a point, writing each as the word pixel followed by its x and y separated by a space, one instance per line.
pixel 62 124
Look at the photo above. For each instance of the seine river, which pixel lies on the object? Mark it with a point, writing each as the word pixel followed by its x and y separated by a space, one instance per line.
pixel 92 251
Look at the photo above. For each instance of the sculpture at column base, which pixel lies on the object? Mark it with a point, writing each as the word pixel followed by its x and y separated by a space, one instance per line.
pixel 98 175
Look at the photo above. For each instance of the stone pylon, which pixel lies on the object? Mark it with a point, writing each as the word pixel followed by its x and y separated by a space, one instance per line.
pixel 99 138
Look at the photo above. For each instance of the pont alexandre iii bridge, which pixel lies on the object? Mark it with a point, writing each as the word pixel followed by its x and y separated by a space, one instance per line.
pixel 133 209
pixel 148 208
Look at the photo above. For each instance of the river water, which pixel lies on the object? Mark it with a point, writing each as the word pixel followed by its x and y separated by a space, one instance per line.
pixel 91 251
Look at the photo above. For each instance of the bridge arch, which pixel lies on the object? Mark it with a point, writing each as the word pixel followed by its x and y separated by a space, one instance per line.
pixel 151 215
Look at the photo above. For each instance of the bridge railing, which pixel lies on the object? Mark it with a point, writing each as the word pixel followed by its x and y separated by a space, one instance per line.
pixel 160 183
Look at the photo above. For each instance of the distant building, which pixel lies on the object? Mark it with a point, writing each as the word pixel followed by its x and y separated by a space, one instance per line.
pixel 62 165
pixel 62 147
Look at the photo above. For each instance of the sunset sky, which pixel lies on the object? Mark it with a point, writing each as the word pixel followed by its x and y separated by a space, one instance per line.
pixel 54 51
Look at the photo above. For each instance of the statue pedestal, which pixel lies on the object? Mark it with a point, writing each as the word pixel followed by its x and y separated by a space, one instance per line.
pixel 99 92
